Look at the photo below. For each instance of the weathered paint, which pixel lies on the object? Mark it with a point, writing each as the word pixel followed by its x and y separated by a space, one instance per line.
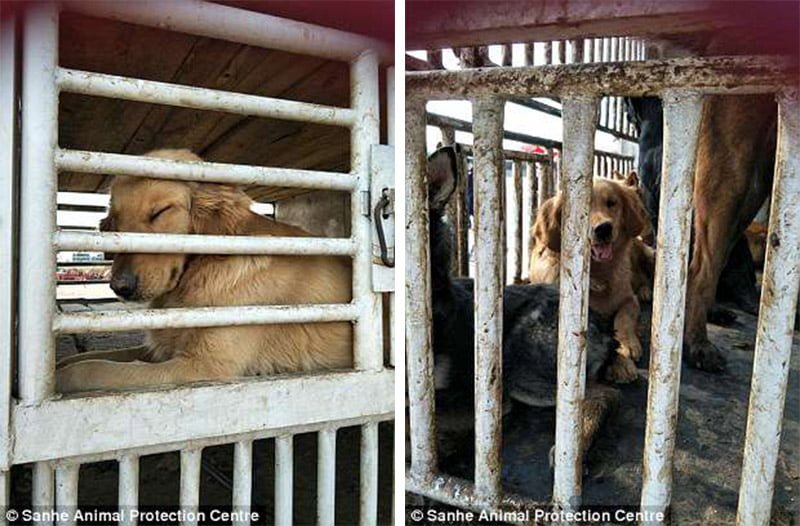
pixel 66 494
pixel 418 297
pixel 519 231
pixel 773 349
pixel 43 492
pixel 488 184
pixel 128 489
pixel 682 112
pixel 724 75
pixel 368 495
pixel 576 188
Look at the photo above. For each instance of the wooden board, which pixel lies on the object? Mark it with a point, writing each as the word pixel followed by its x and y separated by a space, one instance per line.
pixel 94 123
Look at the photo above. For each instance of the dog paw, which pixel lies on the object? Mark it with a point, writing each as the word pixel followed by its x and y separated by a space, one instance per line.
pixel 622 371
pixel 632 349
pixel 706 357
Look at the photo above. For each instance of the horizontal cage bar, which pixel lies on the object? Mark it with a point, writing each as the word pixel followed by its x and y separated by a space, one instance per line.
pixel 202 244
pixel 109 321
pixel 203 414
pixel 150 91
pixel 235 25
pixel 724 75
pixel 139 166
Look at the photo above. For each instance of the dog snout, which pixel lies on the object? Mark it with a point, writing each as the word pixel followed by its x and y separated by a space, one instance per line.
pixel 603 232
pixel 124 285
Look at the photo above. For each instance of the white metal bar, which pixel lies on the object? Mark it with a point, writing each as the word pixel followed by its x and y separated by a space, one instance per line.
pixel 126 88
pixel 66 494
pixel 201 244
pixel 367 345
pixel 239 408
pixel 8 225
pixel 242 481
pixel 5 494
pixel 104 321
pixel 775 323
pixel 37 287
pixel 419 357
pixel 235 25
pixel 517 229
pixel 682 113
pixel 369 475
pixel 43 489
pixel 579 113
pixel 128 489
pixel 326 477
pixel 284 480
pixel 140 166
pixel 489 281
pixel 190 485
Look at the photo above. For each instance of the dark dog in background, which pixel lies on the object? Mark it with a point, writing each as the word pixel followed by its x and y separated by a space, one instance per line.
pixel 530 328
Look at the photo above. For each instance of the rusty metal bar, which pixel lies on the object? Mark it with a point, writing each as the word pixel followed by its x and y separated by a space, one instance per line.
pixel 488 184
pixel 418 297
pixel 773 349
pixel 682 112
pixel 723 75
pixel 518 223
pixel 576 188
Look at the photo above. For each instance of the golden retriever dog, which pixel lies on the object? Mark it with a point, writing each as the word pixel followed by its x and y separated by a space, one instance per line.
pixel 175 356
pixel 617 217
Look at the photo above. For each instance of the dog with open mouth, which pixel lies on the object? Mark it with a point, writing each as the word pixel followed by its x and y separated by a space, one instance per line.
pixel 617 218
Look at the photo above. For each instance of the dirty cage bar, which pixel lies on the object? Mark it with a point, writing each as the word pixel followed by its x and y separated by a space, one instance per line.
pixel 33 419
pixel 681 83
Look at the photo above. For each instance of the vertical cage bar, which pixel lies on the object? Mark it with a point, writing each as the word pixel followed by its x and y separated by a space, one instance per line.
pixel 529 49
pixel 775 323
pixel 5 494
pixel 548 52
pixel 8 225
pixel 369 474
pixel 530 213
pixel 488 181
pixel 518 221
pixel 418 297
pixel 242 481
pixel 577 50
pixel 66 494
pixel 562 52
pixel 589 50
pixel 190 485
pixel 38 188
pixel 326 477
pixel 579 112
pixel 128 489
pixel 43 488
pixel 367 344
pixel 462 218
pixel 681 129
pixel 284 480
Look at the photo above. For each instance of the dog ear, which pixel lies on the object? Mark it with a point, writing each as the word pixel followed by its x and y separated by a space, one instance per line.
pixel 632 179
pixel 442 176
pixel 218 209
pixel 635 218
pixel 547 229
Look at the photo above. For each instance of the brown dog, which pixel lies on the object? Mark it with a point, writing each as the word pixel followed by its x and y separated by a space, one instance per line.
pixel 174 356
pixel 617 217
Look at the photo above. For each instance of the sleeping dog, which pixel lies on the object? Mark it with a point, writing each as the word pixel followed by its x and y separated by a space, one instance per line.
pixel 530 328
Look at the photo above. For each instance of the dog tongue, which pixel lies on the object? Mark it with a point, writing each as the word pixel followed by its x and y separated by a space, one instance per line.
pixel 601 251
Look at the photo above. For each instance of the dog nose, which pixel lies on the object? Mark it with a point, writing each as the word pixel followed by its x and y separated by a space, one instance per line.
pixel 124 285
pixel 603 231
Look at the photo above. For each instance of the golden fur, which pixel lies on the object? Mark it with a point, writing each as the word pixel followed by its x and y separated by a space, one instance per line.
pixel 611 291
pixel 174 356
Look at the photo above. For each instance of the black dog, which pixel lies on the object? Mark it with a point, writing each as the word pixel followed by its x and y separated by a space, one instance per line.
pixel 530 328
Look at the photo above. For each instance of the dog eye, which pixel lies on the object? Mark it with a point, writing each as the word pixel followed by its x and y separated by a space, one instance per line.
pixel 155 215
pixel 611 203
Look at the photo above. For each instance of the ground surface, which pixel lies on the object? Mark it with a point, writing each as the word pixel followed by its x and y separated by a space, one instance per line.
pixel 159 474
pixel 708 456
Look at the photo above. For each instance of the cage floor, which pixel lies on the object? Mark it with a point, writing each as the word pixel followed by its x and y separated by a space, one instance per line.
pixel 708 456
